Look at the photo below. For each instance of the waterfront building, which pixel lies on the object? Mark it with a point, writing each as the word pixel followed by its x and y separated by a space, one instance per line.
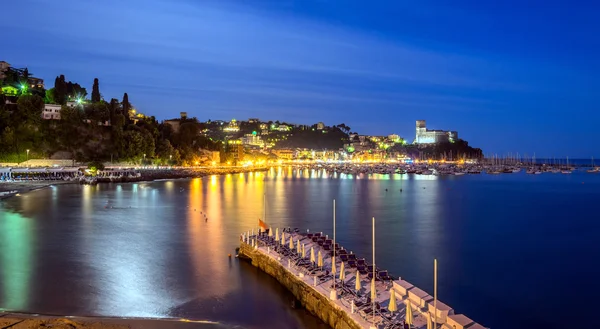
pixel 286 154
pixel 427 136
pixel 253 120
pixel 320 126
pixel 263 126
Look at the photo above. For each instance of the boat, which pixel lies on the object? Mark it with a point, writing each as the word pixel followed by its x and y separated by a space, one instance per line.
pixel 594 169
pixel 566 170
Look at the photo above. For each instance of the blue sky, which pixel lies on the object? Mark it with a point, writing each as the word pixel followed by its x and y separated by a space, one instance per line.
pixel 511 76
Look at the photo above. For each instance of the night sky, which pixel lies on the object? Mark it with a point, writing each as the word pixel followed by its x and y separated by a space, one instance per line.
pixel 509 76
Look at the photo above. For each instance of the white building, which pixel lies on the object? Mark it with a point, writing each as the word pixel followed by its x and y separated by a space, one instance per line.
pixel 252 139
pixel 232 127
pixel 284 128
pixel 426 136
pixel 51 112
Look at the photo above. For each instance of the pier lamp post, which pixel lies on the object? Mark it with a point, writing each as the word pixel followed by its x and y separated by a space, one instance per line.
pixel 333 293
pixel 27 154
pixel 373 292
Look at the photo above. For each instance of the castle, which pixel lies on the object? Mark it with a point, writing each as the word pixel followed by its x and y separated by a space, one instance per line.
pixel 426 136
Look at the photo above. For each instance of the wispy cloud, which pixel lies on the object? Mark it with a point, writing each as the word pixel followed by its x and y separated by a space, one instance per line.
pixel 222 59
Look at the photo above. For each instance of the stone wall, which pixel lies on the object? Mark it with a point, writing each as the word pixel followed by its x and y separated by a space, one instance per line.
pixel 310 299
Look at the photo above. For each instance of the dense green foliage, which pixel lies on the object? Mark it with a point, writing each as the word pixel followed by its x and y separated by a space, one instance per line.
pixel 332 138
pixel 94 132
pixel 95 91
pixel 456 150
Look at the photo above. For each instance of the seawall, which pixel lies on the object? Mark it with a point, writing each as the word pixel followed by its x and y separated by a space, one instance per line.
pixel 310 298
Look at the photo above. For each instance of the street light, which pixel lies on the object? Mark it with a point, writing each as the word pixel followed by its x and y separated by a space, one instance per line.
pixel 27 154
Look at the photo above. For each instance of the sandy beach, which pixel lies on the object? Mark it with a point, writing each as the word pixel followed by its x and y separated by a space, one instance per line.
pixel 30 321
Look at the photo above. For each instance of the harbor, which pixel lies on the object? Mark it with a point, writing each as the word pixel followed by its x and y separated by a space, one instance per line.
pixel 340 288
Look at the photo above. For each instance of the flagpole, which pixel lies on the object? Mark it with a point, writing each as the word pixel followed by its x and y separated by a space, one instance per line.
pixel 375 294
pixel 333 293
pixel 435 292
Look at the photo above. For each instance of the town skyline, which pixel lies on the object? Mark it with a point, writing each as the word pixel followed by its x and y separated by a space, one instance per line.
pixel 472 71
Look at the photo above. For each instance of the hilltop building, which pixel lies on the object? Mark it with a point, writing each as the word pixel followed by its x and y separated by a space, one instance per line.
pixel 232 127
pixel 427 136
pixel 252 139
pixel 32 82
pixel 51 112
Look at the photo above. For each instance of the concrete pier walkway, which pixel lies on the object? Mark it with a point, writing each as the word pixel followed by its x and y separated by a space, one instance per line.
pixel 349 308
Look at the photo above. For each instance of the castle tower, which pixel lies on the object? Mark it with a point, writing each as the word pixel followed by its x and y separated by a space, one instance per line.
pixel 421 129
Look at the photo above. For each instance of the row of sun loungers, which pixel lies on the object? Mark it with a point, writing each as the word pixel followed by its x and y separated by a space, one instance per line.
pixel 363 304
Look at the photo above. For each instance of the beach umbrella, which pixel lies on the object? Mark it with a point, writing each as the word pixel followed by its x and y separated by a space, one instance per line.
pixel 320 259
pixel 270 231
pixel 291 243
pixel 409 316
pixel 429 323
pixel 312 255
pixel 342 274
pixel 373 291
pixel 357 284
pixel 282 237
pixel 277 234
pixel 303 251
pixel 392 307
pixel 298 248
pixel 333 269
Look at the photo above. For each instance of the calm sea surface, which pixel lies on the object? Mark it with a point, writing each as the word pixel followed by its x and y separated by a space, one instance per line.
pixel 514 250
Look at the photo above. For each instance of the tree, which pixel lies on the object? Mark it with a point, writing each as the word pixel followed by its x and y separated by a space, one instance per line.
pixel 60 90
pixel 126 105
pixel 95 91
pixel 114 108
pixel 49 99
pixel 75 91
pixel 68 129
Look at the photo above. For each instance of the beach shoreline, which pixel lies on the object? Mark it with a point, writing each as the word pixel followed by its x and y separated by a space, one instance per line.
pixel 10 189
pixel 15 320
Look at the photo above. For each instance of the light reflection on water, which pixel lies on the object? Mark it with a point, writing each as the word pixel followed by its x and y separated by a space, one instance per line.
pixel 159 249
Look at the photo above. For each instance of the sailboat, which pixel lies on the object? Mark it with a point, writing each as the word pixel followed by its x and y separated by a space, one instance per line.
pixel 566 170
pixel 594 169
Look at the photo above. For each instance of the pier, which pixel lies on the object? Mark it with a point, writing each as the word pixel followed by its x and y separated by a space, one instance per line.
pixel 343 296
